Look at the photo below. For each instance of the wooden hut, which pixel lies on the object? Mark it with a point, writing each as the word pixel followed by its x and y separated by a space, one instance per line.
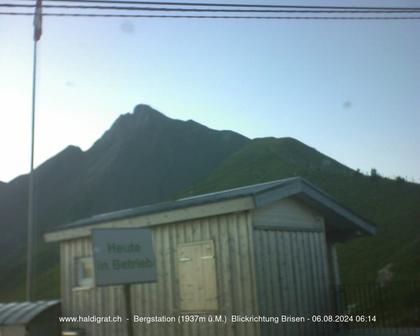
pixel 262 257
pixel 38 318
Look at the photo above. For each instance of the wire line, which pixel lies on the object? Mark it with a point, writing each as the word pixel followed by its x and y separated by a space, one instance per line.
pixel 166 9
pixel 201 4
pixel 220 17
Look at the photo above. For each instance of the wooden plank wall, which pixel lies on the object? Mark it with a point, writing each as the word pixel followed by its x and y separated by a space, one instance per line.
pixel 292 267
pixel 99 301
pixel 288 214
pixel 236 283
pixel 292 277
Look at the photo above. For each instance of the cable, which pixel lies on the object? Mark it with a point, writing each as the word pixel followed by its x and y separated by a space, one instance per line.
pixel 166 9
pixel 200 4
pixel 278 9
pixel 220 17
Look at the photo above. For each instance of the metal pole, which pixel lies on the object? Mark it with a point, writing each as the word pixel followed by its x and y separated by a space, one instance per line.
pixel 127 297
pixel 31 221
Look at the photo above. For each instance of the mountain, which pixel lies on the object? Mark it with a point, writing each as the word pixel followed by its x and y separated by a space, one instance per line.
pixel 390 204
pixel 146 157
pixel 55 184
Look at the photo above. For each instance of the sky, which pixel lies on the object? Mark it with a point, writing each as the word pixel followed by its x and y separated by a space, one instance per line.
pixel 350 89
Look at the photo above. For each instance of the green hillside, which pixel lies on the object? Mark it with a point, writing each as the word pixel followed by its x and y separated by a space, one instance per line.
pixel 146 158
pixel 393 205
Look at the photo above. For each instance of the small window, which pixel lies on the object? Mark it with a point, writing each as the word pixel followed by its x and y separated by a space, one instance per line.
pixel 197 277
pixel 84 272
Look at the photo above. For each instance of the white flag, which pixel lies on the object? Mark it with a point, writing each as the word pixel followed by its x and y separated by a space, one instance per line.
pixel 38 20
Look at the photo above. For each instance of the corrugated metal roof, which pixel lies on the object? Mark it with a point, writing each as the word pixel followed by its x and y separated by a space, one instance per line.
pixel 262 193
pixel 178 204
pixel 18 313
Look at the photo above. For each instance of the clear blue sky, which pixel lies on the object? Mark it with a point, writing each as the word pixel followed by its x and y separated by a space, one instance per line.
pixel 349 89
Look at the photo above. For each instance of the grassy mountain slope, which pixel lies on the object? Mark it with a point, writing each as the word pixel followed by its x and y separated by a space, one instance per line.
pixel 145 157
pixel 52 204
pixel 392 205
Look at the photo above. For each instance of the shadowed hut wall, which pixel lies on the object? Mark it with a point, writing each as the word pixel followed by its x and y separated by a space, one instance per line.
pixel 291 266
pixel 235 277
pixel 12 331
pixel 101 301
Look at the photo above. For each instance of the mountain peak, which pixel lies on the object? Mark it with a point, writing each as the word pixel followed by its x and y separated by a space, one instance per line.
pixel 142 115
pixel 65 158
pixel 146 112
pixel 71 149
pixel 143 108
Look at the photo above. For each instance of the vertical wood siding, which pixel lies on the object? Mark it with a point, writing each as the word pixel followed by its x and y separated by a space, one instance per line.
pixel 99 301
pixel 292 267
pixel 292 277
pixel 236 283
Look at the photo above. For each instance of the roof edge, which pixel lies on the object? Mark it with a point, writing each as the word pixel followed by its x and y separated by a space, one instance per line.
pixel 226 201
pixel 157 218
